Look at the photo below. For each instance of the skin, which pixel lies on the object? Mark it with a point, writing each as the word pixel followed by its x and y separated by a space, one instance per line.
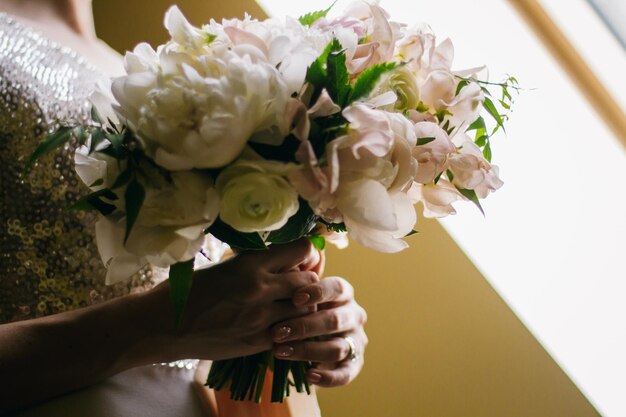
pixel 251 303
pixel 240 307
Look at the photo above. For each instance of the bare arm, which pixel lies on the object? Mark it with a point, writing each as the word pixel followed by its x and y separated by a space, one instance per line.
pixel 229 312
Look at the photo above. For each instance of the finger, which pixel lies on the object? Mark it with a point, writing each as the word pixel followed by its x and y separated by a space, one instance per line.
pixel 343 374
pixel 314 263
pixel 321 323
pixel 282 286
pixel 284 310
pixel 330 289
pixel 289 256
pixel 333 350
pixel 319 267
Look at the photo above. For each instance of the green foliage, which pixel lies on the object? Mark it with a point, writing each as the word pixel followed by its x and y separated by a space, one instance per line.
pixel 411 233
pixel 53 141
pixel 329 72
pixel 366 82
pixel 471 195
pixel 460 86
pixel 337 83
pixel 234 238
pixel 298 225
pixel 482 136
pixel 94 201
pixel 424 141
pixel 310 18
pixel 319 242
pixel 335 227
pixel 134 195
pixel 180 279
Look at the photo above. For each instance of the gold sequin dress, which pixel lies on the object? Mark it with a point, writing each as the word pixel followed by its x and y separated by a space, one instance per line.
pixel 49 262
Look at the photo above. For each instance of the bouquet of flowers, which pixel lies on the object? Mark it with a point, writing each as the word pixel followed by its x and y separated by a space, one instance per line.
pixel 251 133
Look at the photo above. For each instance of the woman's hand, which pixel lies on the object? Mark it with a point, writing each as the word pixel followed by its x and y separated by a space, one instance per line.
pixel 338 325
pixel 231 305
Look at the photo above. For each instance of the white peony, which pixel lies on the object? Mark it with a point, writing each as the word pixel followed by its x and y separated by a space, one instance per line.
pixel 195 105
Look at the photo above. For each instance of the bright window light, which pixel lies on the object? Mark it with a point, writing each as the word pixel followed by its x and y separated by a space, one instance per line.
pixel 553 240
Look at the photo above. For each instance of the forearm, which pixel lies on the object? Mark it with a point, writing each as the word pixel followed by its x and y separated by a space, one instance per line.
pixel 49 356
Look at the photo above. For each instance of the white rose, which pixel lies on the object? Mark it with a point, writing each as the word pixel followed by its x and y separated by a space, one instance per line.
pixel 256 196
pixel 403 84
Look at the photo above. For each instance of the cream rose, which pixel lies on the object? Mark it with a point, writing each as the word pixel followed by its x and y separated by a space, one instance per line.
pixel 256 196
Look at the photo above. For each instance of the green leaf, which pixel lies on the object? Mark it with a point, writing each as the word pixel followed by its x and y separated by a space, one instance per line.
pixel 471 195
pixel 336 227
pixel 80 133
pixel 366 82
pixel 310 18
pixel 234 238
pixel 438 177
pixel 298 225
pixel 180 277
pixel 424 141
pixel 411 233
pixel 95 116
pixel 481 140
pixel 477 124
pixel 117 140
pixel 134 195
pixel 487 152
pixel 97 136
pixel 316 73
pixel 122 179
pixel 209 38
pixel 422 108
pixel 97 183
pixel 460 86
pixel 491 109
pixel 94 201
pixel 450 175
pixel 53 141
pixel 319 242
pixel 338 79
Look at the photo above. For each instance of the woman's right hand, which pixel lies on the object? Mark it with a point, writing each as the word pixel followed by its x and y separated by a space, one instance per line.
pixel 232 305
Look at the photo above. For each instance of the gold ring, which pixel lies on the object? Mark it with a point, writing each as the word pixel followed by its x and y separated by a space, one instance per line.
pixel 353 353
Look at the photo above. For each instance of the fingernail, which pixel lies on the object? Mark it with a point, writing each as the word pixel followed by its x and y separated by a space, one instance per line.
pixel 314 377
pixel 301 298
pixel 284 351
pixel 282 332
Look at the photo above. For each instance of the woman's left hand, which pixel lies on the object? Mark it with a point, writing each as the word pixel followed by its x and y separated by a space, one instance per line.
pixel 338 326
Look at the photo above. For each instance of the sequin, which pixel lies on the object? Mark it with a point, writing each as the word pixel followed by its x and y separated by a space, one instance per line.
pixel 49 262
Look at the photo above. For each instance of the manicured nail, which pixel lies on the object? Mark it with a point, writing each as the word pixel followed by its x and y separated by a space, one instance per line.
pixel 284 351
pixel 282 332
pixel 301 298
pixel 314 377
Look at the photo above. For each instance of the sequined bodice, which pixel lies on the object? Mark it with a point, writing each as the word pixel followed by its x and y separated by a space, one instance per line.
pixel 49 262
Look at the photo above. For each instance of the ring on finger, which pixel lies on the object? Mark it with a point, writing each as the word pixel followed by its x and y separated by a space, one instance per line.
pixel 353 352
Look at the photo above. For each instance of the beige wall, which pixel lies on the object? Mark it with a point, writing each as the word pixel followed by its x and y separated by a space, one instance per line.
pixel 443 343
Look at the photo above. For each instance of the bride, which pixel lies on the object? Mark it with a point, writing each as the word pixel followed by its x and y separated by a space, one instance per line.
pixel 63 331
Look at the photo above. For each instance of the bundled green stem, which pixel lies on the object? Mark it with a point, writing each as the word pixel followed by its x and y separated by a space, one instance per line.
pixel 245 377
